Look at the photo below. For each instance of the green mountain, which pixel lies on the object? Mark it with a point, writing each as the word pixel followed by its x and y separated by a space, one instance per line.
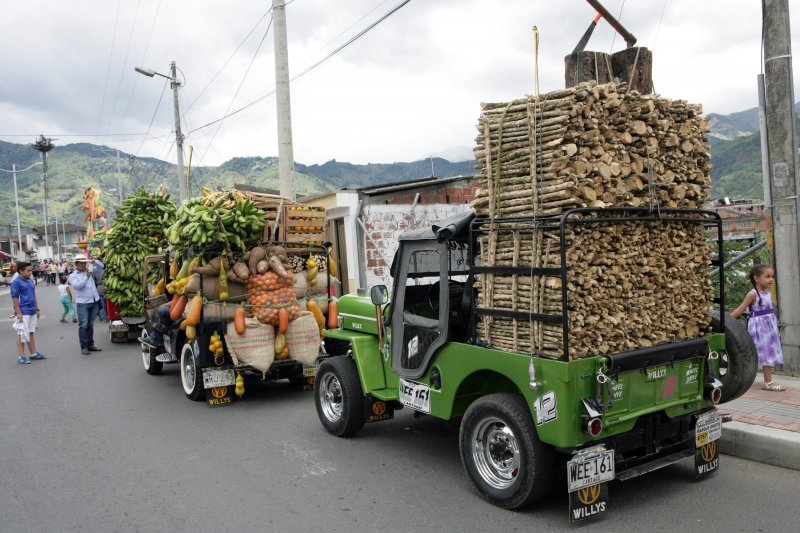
pixel 74 167
pixel 735 125
pixel 736 168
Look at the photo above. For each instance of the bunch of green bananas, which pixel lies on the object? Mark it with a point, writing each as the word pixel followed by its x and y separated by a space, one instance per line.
pixel 138 231
pixel 201 228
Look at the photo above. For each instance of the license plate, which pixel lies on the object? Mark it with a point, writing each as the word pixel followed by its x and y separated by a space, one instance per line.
pixel 415 395
pixel 310 370
pixel 708 429
pixel 215 377
pixel 590 467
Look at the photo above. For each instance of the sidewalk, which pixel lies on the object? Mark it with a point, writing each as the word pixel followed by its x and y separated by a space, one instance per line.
pixel 766 425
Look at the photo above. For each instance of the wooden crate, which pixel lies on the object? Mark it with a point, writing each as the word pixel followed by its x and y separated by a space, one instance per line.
pixel 269 204
pixel 303 224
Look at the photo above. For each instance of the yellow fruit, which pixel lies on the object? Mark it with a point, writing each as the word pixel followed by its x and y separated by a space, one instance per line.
pixel 239 385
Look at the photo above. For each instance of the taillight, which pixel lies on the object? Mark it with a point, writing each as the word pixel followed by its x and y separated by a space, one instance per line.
pixel 594 427
pixel 714 391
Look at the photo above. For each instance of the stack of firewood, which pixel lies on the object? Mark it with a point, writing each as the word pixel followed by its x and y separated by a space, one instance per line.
pixel 591 145
pixel 630 284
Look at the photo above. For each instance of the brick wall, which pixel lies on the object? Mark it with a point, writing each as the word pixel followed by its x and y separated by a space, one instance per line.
pixel 384 224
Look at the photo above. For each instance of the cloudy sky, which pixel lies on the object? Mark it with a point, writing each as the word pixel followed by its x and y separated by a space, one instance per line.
pixel 410 87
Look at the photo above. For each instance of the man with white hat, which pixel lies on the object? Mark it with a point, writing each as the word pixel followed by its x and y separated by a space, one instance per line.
pixel 87 298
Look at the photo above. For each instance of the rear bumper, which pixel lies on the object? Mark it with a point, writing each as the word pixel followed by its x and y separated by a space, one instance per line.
pixel 654 442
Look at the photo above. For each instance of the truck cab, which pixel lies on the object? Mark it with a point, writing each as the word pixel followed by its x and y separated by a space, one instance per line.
pixel 523 416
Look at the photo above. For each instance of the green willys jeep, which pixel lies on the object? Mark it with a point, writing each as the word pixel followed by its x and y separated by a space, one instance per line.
pixel 526 417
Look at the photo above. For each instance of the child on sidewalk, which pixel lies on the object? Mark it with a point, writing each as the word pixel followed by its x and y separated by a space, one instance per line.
pixel 65 294
pixel 763 324
pixel 23 294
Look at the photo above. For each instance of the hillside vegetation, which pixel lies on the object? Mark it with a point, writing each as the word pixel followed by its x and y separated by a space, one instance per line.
pixel 74 167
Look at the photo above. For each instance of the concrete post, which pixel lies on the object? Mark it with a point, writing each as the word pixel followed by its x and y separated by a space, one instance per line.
pixel 173 70
pixel 285 150
pixel 783 172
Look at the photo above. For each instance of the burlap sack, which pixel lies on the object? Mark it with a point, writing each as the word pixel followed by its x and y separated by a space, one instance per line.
pixel 255 348
pixel 213 311
pixel 303 339
pixel 210 284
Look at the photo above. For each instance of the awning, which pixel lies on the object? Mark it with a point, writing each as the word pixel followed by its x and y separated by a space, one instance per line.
pixel 4 255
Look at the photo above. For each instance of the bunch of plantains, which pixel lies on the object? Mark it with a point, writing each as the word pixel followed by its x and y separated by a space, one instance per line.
pixel 216 221
pixel 137 232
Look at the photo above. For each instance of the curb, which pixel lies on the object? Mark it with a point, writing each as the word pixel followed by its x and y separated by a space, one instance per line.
pixel 772 446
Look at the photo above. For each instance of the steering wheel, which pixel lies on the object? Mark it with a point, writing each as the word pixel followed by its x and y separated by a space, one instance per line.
pixel 433 297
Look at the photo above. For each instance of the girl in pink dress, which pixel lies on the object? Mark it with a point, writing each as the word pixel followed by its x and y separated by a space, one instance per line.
pixel 763 324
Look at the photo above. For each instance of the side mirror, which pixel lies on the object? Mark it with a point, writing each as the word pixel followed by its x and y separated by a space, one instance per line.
pixel 379 294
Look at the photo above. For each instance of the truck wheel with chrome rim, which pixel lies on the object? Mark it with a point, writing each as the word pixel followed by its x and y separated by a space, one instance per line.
pixel 191 375
pixel 151 366
pixel 338 396
pixel 503 456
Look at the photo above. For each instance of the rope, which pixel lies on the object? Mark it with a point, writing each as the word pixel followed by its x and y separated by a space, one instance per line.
pixel 633 70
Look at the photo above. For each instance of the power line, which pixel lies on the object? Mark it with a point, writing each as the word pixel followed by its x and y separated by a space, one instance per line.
pixel 619 17
pixel 312 67
pixel 141 62
pixel 124 67
pixel 229 58
pixel 163 90
pixel 108 70
pixel 239 88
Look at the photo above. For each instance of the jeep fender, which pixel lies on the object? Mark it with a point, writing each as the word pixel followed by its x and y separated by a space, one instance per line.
pixel 367 356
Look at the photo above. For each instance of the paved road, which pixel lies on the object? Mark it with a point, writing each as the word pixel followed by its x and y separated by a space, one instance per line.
pixel 93 443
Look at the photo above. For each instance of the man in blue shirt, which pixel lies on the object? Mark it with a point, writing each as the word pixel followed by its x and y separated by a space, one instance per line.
pixel 26 309
pixel 88 300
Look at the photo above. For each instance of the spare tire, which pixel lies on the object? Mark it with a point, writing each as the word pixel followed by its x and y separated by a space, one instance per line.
pixel 739 362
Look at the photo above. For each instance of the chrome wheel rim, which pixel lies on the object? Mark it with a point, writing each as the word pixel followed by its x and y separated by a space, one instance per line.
pixel 496 453
pixel 188 369
pixel 330 397
pixel 145 351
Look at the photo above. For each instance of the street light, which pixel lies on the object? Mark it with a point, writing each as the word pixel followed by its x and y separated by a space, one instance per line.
pixel 16 199
pixel 173 79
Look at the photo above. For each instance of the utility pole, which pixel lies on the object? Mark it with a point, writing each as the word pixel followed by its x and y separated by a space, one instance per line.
pixel 132 164
pixel 16 203
pixel 782 145
pixel 44 145
pixel 285 151
pixel 173 70
pixel 119 179
pixel 173 79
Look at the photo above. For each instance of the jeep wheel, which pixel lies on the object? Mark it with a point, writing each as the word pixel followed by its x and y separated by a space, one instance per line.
pixel 151 366
pixel 191 375
pixel 739 363
pixel 503 456
pixel 338 396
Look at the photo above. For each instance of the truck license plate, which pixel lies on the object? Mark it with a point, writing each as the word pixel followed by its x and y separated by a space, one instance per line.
pixel 590 466
pixel 415 395
pixel 215 377
pixel 310 370
pixel 708 429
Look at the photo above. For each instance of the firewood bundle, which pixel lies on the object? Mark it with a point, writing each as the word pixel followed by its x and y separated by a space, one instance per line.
pixel 590 145
pixel 630 284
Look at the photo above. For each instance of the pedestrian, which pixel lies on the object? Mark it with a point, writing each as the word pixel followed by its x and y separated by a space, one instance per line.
pixel 52 271
pixel 82 283
pixel 98 272
pixel 66 297
pixel 23 295
pixel 42 269
pixel 762 324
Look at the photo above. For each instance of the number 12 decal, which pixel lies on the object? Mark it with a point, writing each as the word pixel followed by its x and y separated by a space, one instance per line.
pixel 545 407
